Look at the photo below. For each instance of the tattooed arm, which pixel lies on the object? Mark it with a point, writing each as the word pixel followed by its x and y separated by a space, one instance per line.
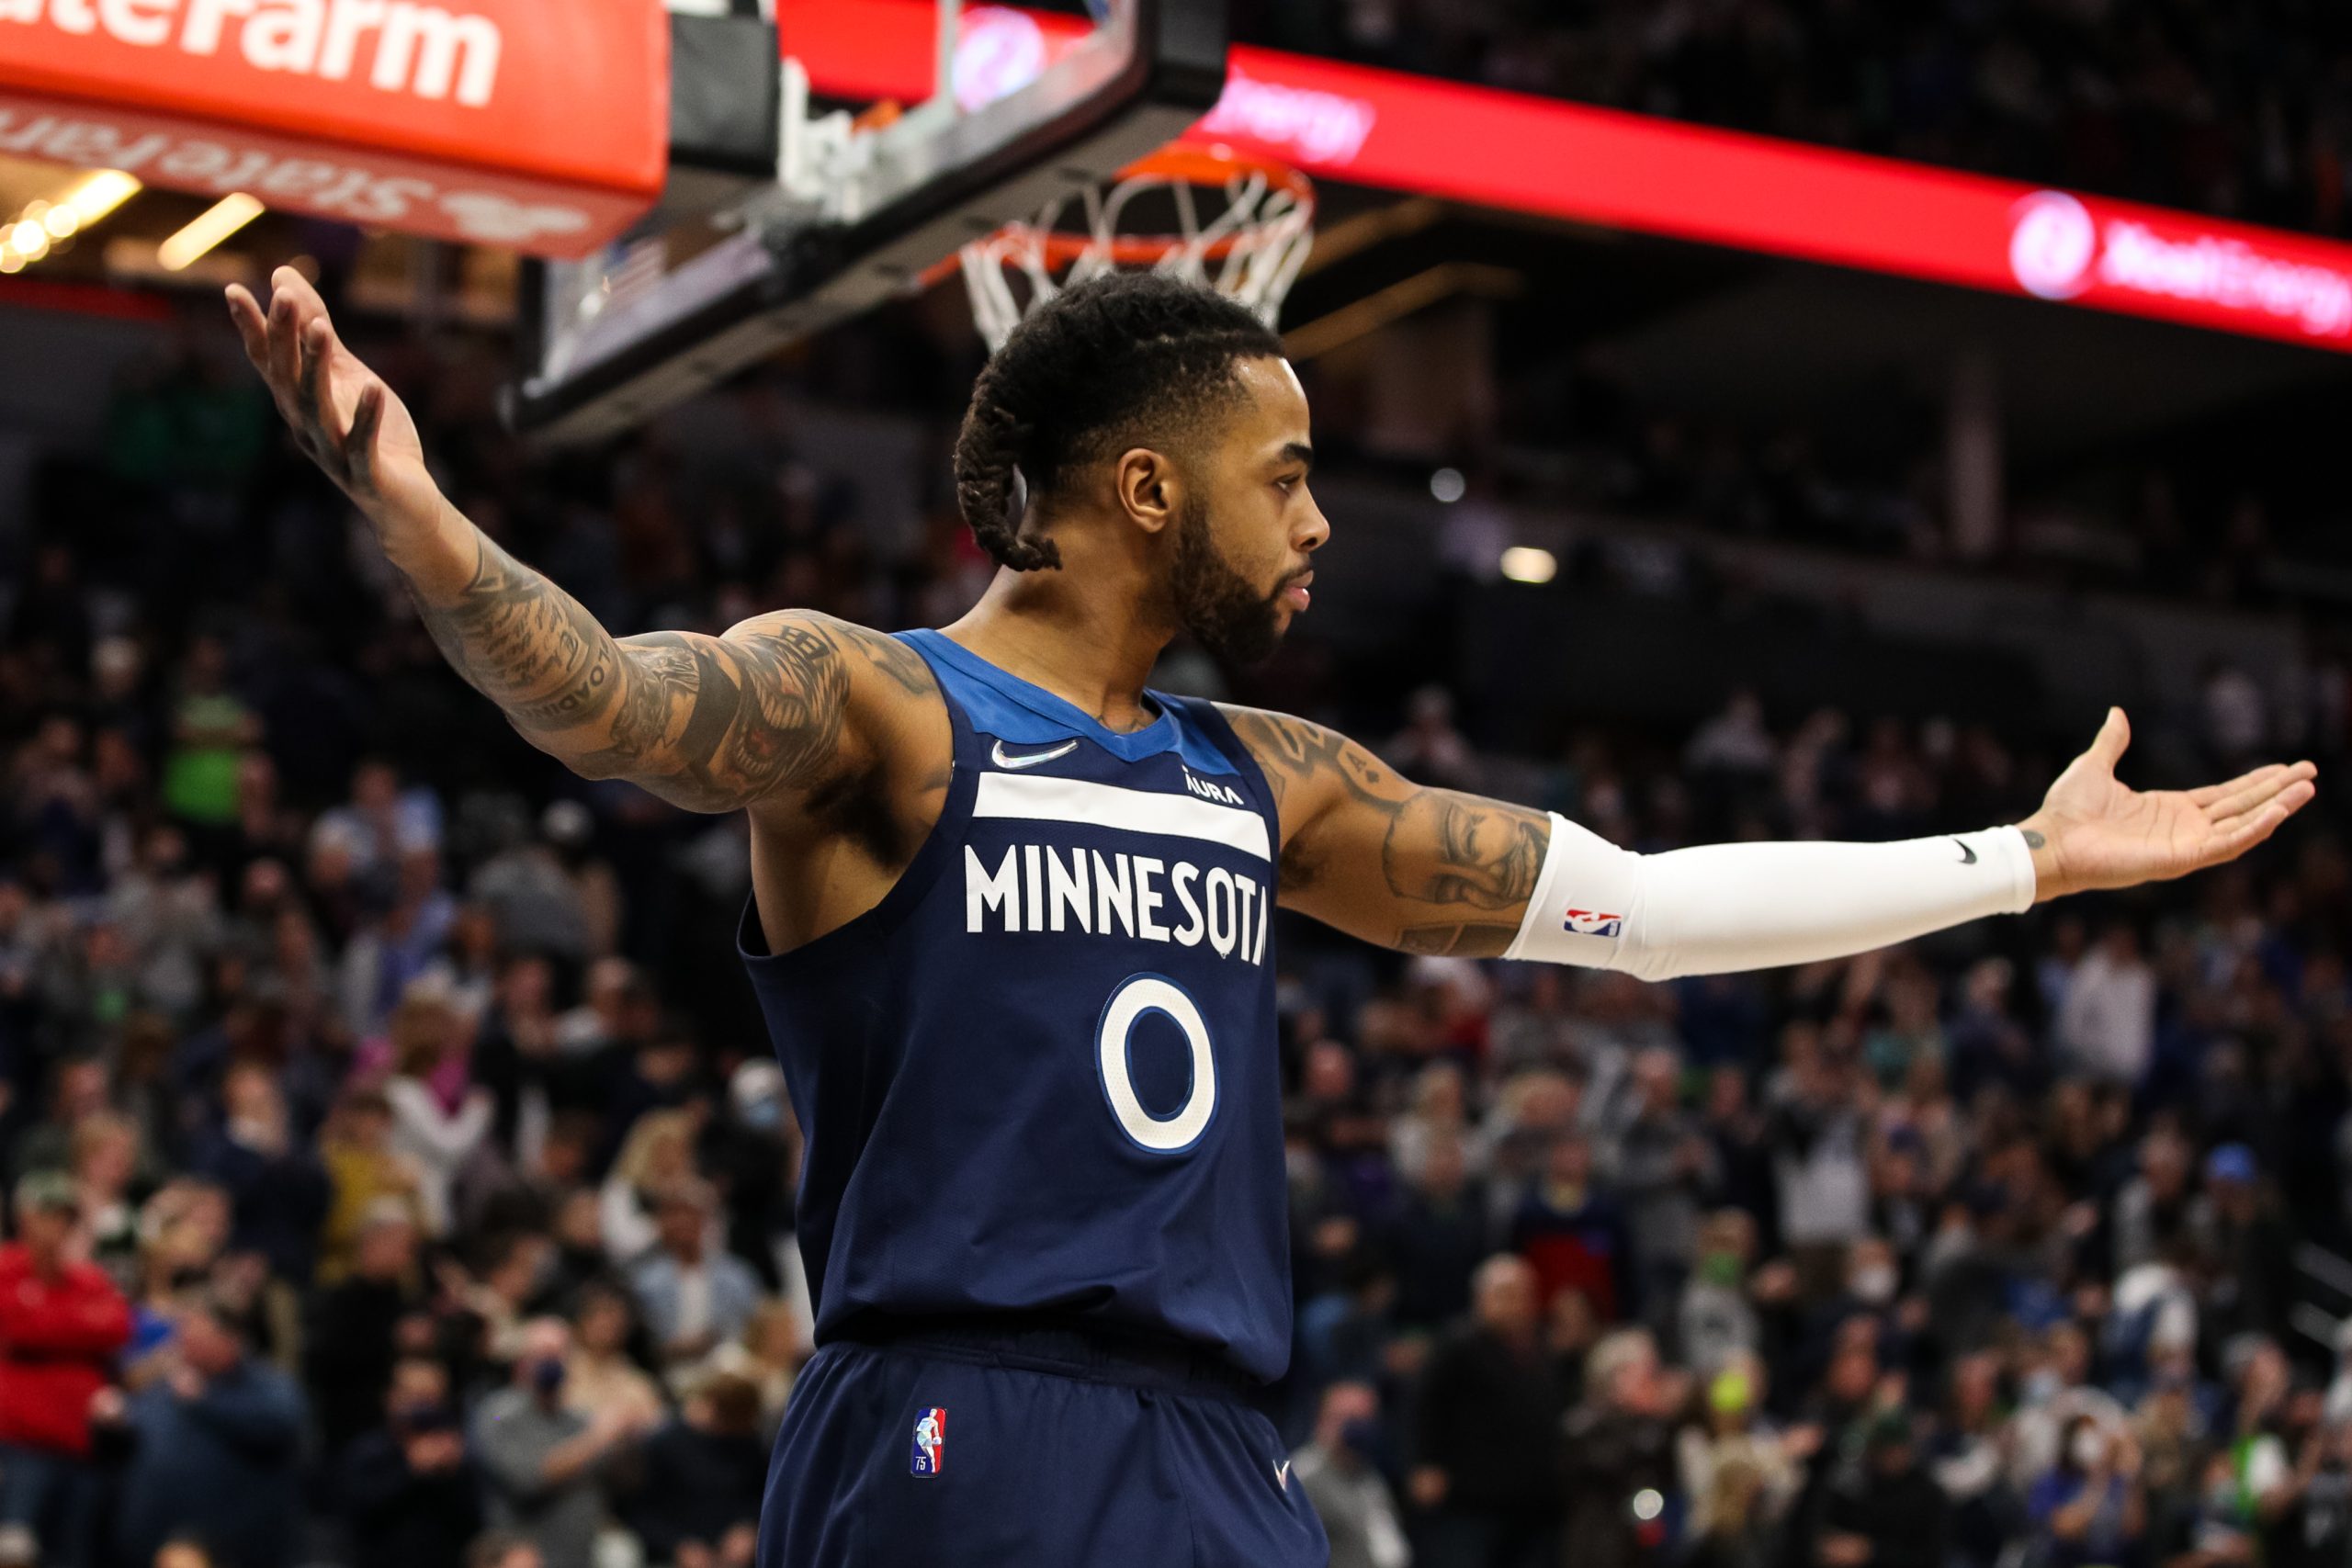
pixel 711 723
pixel 1385 859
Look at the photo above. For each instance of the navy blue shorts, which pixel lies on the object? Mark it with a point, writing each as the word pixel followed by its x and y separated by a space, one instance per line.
pixel 1041 1449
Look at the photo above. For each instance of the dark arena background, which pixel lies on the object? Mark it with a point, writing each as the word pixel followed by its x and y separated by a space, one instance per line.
pixel 1737 420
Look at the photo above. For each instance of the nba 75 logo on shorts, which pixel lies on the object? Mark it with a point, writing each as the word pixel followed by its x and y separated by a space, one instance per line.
pixel 931 1440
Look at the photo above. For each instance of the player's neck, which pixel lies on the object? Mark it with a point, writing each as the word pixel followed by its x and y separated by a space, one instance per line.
pixel 1090 648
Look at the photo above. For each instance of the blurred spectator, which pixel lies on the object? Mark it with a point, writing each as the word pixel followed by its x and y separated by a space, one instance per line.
pixel 363 1171
pixel 215 1447
pixel 62 1322
pixel 704 1474
pixel 600 1381
pixel 411 1494
pixel 2090 1508
pixel 1880 1508
pixel 2106 1023
pixel 659 1155
pixel 1819 1138
pixel 1664 1167
pixel 278 1194
pixel 1571 1230
pixel 439 1118
pixel 542 1462
pixel 1715 1324
pixel 1430 750
pixel 769 1354
pixel 1734 741
pixel 2245 1246
pixel 1738 1473
pixel 1338 1469
pixel 1621 1455
pixel 692 1296
pixel 359 1325
pixel 539 903
pixel 1441 1233
pixel 1966 1457
pixel 381 824
pixel 1486 1448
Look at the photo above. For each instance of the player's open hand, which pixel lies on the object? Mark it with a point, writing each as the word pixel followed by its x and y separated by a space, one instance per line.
pixel 341 412
pixel 2093 832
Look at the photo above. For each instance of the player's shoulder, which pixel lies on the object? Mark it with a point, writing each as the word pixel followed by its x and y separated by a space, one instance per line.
pixel 1283 741
pixel 1309 766
pixel 863 655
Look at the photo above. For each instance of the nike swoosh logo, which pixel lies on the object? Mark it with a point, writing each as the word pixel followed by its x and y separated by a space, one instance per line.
pixel 1281 1475
pixel 1031 761
pixel 1967 855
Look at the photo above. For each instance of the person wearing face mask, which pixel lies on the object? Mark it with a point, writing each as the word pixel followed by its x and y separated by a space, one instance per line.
pixel 1872 1284
pixel 1338 1471
pixel 2055 1389
pixel 542 1462
pixel 2090 1511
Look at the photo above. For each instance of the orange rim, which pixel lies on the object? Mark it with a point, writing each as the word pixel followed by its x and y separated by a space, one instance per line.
pixel 1179 163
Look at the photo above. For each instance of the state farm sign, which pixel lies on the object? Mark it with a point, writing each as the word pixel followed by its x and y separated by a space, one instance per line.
pixel 2060 249
pixel 462 121
pixel 394 46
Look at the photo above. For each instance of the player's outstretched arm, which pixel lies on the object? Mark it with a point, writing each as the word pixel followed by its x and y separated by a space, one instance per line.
pixel 1367 851
pixel 1435 871
pixel 710 724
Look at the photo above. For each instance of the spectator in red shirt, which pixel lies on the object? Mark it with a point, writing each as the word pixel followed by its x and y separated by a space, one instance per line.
pixel 62 1321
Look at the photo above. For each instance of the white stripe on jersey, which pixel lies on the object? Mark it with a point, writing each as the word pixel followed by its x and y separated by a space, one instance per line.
pixel 1033 797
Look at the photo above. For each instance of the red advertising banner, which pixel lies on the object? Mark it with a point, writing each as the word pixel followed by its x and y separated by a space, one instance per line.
pixel 1540 155
pixel 465 120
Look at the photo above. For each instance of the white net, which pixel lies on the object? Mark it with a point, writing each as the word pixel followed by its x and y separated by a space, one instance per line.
pixel 1251 246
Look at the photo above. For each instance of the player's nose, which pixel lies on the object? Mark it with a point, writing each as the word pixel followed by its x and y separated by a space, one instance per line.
pixel 1318 529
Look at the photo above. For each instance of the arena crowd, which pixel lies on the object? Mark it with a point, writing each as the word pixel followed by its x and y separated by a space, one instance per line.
pixel 398 1175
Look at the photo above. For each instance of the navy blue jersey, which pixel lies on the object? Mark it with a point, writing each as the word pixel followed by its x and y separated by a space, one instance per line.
pixel 1041 1075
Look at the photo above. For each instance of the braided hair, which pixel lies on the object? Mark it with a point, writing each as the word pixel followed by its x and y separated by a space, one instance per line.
pixel 1122 358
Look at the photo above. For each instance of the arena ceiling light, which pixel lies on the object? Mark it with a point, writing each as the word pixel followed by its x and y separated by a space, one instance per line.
pixel 1525 563
pixel 29 236
pixel 209 228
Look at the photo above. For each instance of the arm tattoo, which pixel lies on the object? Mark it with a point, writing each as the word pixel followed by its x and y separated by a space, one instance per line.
pixel 1461 855
pixel 1445 848
pixel 1463 941
pixel 715 723
pixel 527 646
pixel 708 723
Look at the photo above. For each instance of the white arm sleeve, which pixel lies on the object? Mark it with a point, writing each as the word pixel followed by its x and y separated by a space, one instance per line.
pixel 1723 907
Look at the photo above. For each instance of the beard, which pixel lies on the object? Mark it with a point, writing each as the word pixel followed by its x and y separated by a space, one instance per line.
pixel 1219 607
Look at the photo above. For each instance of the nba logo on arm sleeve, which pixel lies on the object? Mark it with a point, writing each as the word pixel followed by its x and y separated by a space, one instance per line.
pixel 930 1442
pixel 1594 922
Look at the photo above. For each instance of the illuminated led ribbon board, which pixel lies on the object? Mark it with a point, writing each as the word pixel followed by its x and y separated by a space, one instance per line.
pixel 537 125
pixel 1390 131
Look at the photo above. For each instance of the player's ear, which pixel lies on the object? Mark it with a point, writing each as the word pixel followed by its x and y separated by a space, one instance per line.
pixel 1146 488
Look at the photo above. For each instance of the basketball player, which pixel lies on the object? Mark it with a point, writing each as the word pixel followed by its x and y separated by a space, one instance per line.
pixel 1011 916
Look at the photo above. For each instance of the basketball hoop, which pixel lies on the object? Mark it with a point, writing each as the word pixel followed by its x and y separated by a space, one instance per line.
pixel 1250 248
